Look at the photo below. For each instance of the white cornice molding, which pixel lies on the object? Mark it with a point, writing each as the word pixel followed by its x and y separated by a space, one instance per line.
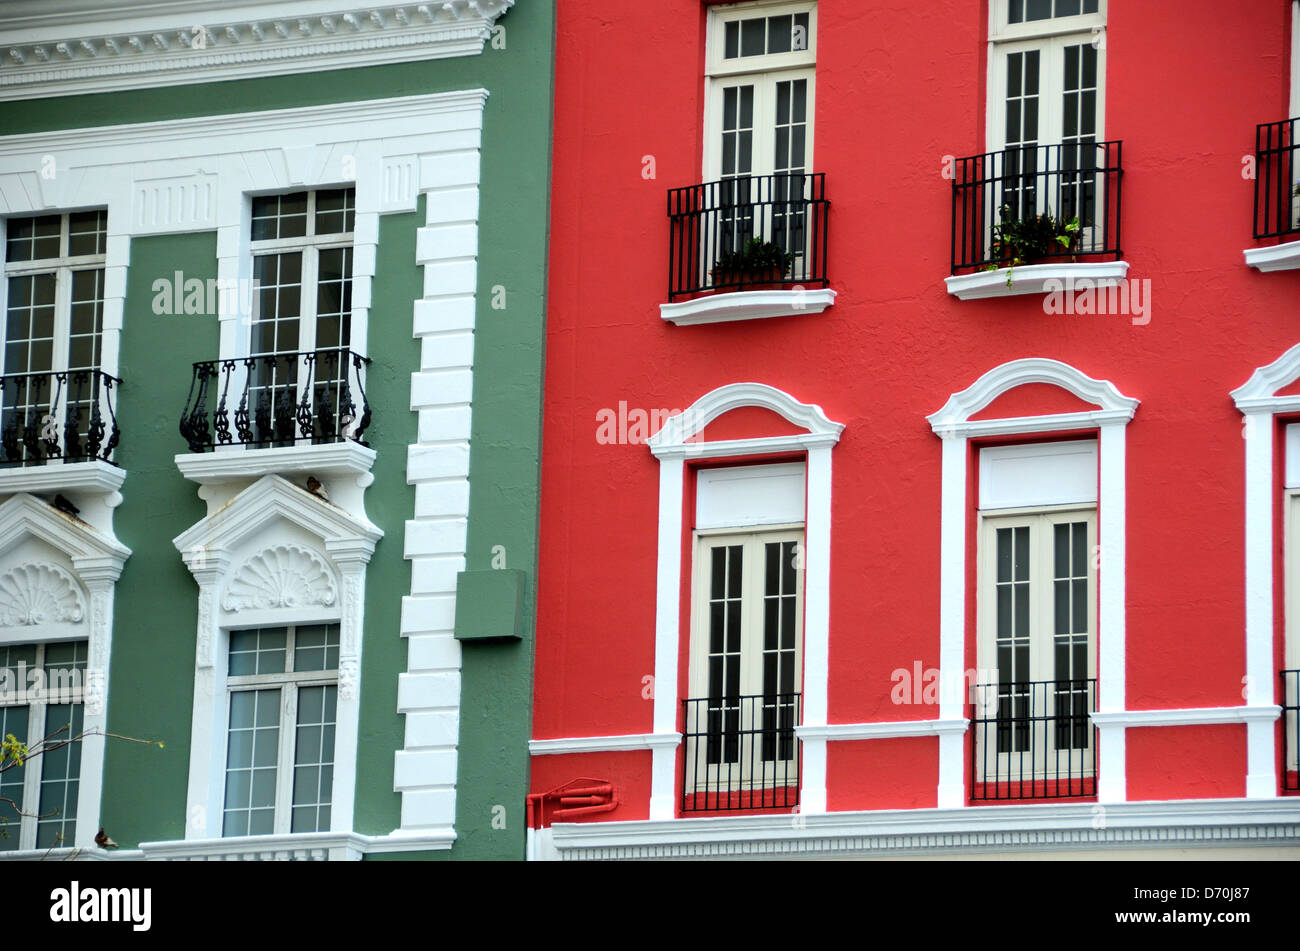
pixel 191 135
pixel 1191 716
pixel 1036 827
pixel 673 438
pixel 603 744
pixel 882 730
pixel 61 49
pixel 957 412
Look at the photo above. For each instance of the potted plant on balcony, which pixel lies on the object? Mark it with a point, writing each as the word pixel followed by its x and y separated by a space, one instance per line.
pixel 757 262
pixel 1029 240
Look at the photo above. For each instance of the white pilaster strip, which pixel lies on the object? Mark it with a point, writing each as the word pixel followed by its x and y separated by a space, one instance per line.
pixel 1261 777
pixel 667 634
pixel 817 622
pixel 952 616
pixel 438 466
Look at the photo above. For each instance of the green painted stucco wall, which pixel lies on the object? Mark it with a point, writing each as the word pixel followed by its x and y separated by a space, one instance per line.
pixel 151 675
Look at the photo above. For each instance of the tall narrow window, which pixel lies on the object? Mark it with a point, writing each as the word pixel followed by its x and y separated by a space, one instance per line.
pixel 1037 653
pixel 1046 108
pixel 283 686
pixel 41 697
pixel 762 60
pixel 50 397
pixel 299 353
pixel 745 668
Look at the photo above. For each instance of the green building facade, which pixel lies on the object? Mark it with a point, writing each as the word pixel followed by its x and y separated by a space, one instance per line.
pixel 271 396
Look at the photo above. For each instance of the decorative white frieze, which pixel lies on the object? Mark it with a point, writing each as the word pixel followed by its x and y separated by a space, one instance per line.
pixel 49 52
pixel 181 203
pixel 33 594
pixel 283 576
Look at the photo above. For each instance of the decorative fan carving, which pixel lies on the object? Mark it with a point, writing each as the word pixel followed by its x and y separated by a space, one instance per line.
pixel 283 576
pixel 39 593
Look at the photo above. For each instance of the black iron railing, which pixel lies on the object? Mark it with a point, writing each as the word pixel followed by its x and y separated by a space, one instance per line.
pixel 1034 740
pixel 1010 191
pixel 1277 179
pixel 717 227
pixel 65 416
pixel 281 399
pixel 1290 730
pixel 741 753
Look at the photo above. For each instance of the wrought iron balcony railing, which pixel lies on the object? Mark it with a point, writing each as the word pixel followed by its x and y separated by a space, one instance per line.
pixel 1291 730
pixel 741 753
pixel 1034 740
pixel 999 201
pixel 60 416
pixel 1277 179
pixel 281 399
pixel 748 231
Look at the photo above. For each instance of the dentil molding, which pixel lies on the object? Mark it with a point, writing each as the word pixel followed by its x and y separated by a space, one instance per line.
pixel 61 47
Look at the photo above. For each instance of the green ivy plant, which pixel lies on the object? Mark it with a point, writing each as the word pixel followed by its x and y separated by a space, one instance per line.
pixel 756 256
pixel 1026 240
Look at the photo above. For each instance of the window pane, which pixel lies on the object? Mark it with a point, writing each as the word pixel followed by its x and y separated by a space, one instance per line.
pixel 87 233
pixel 753 38
pixel 251 762
pixel 13 721
pixel 313 778
pixel 779 31
pixel 732 44
pixel 60 767
pixel 335 211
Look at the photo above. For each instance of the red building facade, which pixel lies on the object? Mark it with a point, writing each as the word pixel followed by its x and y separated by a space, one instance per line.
pixel 920 446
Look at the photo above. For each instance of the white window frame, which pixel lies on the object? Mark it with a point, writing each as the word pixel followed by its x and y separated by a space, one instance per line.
pixel 954 425
pixel 289 682
pixel 752 541
pixel 764 72
pixel 672 446
pixel 1050 37
pixel 1291 603
pixel 1010 766
pixel 310 246
pixel 62 266
pixel 37 731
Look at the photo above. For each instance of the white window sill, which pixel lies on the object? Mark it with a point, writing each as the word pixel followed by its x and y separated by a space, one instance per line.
pixel 747 305
pixel 235 463
pixel 1034 279
pixel 1280 257
pixel 82 477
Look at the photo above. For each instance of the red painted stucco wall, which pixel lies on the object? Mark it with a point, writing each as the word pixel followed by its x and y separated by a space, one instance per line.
pixel 899 88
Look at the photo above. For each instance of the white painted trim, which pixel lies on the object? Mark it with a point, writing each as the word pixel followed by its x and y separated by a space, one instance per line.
pixel 1256 399
pixel 96 558
pixel 437 465
pixel 1190 716
pixel 269 513
pixel 882 730
pixel 671 446
pixel 953 425
pixel 1034 279
pixel 1278 257
pixel 747 305
pixel 309 846
pixel 604 744
pixel 57 52
pixel 887 832
pixel 1295 58
pixel 673 438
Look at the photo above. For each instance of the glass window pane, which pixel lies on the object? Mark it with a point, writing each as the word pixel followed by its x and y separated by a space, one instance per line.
pixel 753 37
